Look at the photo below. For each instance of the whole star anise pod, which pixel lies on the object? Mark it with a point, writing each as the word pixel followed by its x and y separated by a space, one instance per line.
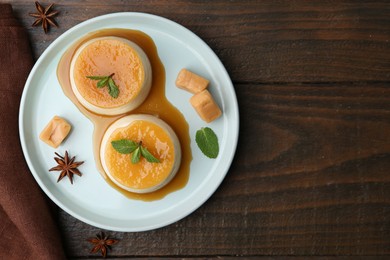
pixel 102 243
pixel 68 167
pixel 44 16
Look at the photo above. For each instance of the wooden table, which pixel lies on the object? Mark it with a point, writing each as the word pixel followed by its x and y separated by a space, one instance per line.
pixel 311 175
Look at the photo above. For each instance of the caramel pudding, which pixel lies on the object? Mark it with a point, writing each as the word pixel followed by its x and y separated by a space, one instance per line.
pixel 155 103
pixel 143 176
pixel 103 56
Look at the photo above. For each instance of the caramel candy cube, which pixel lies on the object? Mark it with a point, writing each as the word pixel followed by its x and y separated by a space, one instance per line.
pixel 205 105
pixel 55 131
pixel 191 82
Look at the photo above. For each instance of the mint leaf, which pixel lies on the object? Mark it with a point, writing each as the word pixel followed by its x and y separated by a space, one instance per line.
pixel 124 146
pixel 207 142
pixel 148 156
pixel 104 81
pixel 113 89
pixel 136 156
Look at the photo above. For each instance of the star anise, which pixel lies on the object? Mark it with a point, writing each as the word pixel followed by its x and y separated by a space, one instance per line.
pixel 45 16
pixel 68 167
pixel 102 243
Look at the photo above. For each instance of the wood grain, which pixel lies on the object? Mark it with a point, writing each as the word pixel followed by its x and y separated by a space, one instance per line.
pixel 311 172
pixel 310 177
pixel 270 41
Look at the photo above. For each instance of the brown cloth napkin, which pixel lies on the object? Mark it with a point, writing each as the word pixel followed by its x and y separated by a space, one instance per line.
pixel 27 229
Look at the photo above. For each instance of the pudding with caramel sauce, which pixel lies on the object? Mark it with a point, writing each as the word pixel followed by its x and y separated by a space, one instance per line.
pixel 122 60
pixel 153 134
pixel 156 103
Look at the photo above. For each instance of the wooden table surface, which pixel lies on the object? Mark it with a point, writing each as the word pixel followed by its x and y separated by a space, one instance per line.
pixel 311 175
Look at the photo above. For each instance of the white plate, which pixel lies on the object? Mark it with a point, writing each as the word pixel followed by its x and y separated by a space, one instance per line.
pixel 90 198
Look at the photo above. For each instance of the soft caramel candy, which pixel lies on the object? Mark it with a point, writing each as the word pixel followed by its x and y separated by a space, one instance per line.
pixel 205 105
pixel 55 131
pixel 191 82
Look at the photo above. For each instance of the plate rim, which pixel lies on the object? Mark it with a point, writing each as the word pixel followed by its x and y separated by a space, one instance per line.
pixel 182 214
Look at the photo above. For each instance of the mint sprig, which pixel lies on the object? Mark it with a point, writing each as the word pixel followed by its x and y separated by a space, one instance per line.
pixel 207 142
pixel 107 81
pixel 125 146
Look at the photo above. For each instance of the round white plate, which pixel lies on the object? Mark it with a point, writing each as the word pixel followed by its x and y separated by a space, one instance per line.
pixel 90 198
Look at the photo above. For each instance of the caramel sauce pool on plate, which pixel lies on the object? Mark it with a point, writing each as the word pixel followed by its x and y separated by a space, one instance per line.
pixel 155 104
